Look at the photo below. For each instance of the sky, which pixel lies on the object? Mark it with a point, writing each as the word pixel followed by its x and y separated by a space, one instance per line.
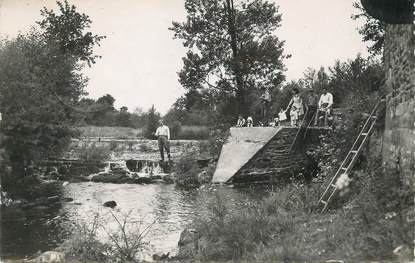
pixel 140 58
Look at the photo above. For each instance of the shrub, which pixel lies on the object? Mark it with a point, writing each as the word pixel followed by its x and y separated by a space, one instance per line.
pixel 284 227
pixel 186 171
pixel 92 153
pixel 124 244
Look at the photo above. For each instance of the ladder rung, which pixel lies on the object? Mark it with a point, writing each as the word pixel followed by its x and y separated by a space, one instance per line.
pixel 324 202
pixel 343 168
pixel 333 185
pixel 365 134
pixel 353 151
pixel 373 117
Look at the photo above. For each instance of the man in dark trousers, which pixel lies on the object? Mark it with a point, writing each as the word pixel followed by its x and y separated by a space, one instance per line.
pixel 311 104
pixel 163 135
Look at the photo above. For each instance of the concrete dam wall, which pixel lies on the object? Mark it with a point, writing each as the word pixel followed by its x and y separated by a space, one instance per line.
pixel 263 154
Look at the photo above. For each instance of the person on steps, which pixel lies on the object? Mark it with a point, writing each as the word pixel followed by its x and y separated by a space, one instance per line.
pixel 296 104
pixel 163 136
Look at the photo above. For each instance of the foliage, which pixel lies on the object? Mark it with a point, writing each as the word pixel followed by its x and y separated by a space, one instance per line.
pixel 283 227
pixel 67 31
pixel 92 153
pixel 372 31
pixel 232 52
pixel 186 171
pixel 33 76
pixel 152 122
pixel 124 244
pixel 40 79
pixel 84 245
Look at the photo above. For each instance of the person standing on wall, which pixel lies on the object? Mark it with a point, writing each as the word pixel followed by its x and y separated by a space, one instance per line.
pixel 266 100
pixel 241 121
pixel 163 136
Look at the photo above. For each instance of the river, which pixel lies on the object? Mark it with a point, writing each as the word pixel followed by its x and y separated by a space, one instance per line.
pixel 166 208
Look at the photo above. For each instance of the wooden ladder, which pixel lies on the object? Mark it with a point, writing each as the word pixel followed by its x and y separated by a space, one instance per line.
pixel 348 162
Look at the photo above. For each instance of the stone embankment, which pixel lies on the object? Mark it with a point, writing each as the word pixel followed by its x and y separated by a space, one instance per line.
pixel 131 149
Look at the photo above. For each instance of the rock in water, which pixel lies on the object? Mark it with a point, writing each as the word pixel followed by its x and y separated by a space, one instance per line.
pixel 111 204
pixel 160 256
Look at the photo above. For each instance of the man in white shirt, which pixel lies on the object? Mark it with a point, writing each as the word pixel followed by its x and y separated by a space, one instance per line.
pixel 324 105
pixel 163 135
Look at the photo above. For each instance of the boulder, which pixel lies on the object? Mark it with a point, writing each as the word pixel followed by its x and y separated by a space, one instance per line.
pixel 110 204
pixel 159 256
pixel 188 244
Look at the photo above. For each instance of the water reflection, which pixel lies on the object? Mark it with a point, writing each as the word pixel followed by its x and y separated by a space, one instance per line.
pixel 172 209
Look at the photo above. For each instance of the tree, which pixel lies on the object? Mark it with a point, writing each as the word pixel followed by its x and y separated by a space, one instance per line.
pixel 232 49
pixel 372 31
pixel 67 31
pixel 40 80
pixel 152 122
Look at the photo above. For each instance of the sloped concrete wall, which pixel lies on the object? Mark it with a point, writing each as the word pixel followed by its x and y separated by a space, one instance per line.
pixel 263 154
pixel 243 143
pixel 275 163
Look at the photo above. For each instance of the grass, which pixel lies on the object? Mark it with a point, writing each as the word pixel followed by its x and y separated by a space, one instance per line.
pixel 284 227
pixel 193 133
pixel 124 244
pixel 116 132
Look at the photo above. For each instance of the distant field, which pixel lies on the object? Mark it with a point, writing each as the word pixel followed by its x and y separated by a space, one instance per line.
pixel 117 132
pixel 193 133
pixel 186 132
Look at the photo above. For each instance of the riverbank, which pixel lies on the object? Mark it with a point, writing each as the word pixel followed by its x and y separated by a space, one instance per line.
pixel 363 225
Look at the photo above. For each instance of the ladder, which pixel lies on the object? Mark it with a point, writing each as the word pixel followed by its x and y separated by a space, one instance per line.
pixel 349 161
pixel 298 131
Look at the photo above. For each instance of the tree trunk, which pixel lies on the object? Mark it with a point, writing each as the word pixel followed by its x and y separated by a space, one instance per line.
pixel 240 93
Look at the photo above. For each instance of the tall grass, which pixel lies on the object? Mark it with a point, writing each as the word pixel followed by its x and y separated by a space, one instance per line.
pixel 116 132
pixel 284 227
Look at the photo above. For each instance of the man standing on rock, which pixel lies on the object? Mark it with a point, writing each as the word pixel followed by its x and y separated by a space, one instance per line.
pixel 163 135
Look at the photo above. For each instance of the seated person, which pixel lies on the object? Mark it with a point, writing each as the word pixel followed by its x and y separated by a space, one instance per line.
pixel 249 122
pixel 241 121
pixel 324 105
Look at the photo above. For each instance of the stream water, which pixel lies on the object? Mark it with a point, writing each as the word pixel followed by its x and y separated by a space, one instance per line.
pixel 24 232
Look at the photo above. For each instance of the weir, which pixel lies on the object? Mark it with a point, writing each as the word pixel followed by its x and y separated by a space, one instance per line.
pixel 258 154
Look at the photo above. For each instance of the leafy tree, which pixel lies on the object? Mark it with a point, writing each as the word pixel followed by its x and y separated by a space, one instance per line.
pixel 68 31
pixel 152 122
pixel 34 120
pixel 124 118
pixel 372 31
pixel 40 80
pixel 232 50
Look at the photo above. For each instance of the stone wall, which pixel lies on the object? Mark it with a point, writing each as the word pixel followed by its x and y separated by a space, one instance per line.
pixel 276 163
pixel 399 136
pixel 122 150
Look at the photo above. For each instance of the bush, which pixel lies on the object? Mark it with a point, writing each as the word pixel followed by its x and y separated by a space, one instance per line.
pixel 123 245
pixel 284 227
pixel 186 171
pixel 92 153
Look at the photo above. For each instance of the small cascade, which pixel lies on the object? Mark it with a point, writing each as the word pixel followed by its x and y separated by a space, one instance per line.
pixel 145 168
